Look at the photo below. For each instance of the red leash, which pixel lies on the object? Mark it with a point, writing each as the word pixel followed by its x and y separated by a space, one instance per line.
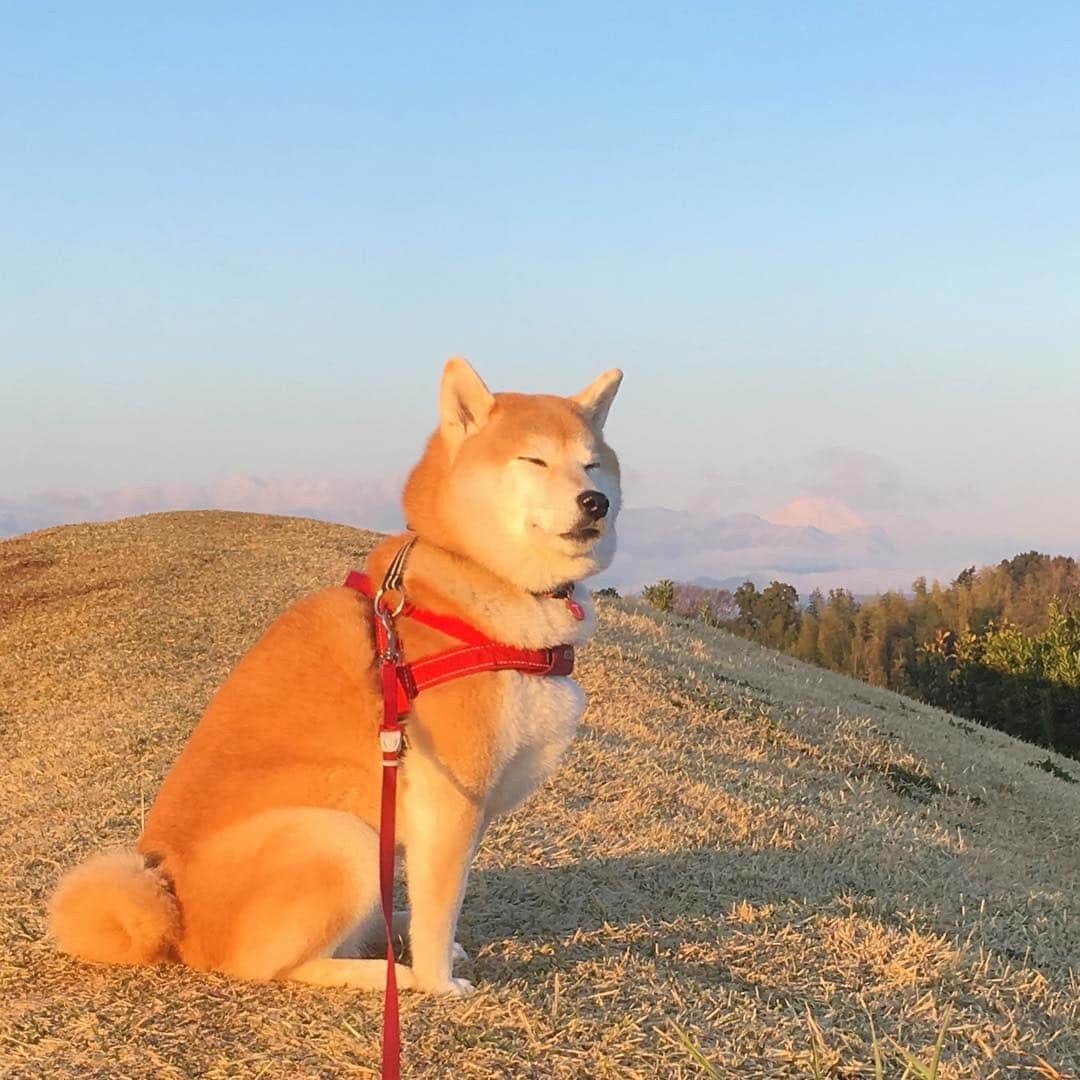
pixel 401 683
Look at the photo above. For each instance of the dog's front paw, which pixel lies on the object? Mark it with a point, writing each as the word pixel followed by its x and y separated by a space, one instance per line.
pixel 451 987
pixel 458 988
pixel 458 952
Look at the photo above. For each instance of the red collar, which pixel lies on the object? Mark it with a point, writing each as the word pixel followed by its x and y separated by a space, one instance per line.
pixel 479 653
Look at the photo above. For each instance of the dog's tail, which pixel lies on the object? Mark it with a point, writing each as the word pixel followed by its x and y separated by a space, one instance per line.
pixel 116 908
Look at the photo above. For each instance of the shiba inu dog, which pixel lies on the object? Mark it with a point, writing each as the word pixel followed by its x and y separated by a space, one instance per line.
pixel 259 856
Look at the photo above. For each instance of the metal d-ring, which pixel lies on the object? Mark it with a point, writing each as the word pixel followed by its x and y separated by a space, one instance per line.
pixel 380 610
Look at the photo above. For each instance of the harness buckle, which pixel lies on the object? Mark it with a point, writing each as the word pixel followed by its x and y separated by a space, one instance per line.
pixel 390 741
pixel 561 658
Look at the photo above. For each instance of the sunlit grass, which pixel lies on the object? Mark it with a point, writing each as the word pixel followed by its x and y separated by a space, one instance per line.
pixel 733 836
pixel 822 1066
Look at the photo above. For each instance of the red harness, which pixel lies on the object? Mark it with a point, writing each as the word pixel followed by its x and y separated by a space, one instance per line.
pixel 401 682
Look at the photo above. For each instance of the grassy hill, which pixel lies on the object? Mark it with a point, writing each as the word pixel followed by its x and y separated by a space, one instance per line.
pixel 737 843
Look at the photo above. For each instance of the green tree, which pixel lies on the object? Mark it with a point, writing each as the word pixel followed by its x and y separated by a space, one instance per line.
pixel 661 595
pixel 745 597
pixel 836 631
pixel 1019 566
pixel 776 609
pixel 806 645
pixel 1000 644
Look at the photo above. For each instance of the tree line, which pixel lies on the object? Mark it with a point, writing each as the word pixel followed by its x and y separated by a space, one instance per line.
pixel 1000 644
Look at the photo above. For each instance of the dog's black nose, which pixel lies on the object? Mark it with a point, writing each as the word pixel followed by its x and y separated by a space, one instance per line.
pixel 594 503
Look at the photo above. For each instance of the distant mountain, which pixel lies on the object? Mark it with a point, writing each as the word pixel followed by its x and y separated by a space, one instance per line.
pixel 733 582
pixel 656 542
pixel 370 503
pixel 791 543
pixel 828 515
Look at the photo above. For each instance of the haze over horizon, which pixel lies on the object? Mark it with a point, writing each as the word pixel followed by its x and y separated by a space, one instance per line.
pixel 834 249
pixel 812 542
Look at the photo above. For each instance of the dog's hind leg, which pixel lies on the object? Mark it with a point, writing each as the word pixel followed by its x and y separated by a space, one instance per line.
pixel 271 898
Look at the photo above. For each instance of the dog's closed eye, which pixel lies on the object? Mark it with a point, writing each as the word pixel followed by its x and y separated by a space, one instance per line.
pixel 535 461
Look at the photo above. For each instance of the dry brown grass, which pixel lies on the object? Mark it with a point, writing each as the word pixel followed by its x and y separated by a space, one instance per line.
pixel 734 840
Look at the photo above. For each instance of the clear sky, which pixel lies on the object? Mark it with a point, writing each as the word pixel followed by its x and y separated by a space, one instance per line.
pixel 241 239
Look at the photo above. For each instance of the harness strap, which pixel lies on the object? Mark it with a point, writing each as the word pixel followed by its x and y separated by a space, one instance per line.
pixel 390 742
pixel 448 624
pixel 390 738
pixel 401 682
pixel 480 653
pixel 396 569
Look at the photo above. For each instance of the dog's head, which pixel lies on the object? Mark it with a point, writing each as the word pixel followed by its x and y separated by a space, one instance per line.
pixel 524 484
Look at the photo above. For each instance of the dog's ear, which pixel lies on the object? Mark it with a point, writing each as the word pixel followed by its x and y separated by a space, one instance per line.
pixel 464 402
pixel 596 399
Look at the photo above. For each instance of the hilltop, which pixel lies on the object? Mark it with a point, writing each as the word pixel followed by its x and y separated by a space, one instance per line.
pixel 735 840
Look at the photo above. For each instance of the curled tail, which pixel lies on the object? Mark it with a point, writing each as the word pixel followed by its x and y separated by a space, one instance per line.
pixel 115 908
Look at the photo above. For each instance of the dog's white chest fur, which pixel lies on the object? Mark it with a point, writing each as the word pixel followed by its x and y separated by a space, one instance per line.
pixel 537 720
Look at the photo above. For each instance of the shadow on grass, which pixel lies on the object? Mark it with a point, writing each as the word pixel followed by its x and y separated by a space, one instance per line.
pixel 660 906
pixel 657 907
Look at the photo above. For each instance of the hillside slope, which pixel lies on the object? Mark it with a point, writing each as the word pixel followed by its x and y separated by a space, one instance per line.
pixel 735 839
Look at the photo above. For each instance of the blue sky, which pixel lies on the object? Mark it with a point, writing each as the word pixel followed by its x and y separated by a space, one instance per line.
pixel 241 240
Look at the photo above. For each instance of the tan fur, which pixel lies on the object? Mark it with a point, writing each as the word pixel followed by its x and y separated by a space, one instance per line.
pixel 267 824
pixel 112 909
